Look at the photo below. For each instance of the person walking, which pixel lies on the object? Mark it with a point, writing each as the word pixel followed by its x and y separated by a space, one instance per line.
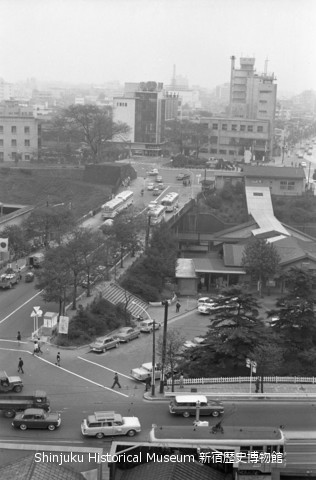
pixel 20 365
pixel 36 348
pixel 148 383
pixel 178 305
pixel 58 359
pixel 257 385
pixel 181 380
pixel 116 381
pixel 18 337
pixel 39 346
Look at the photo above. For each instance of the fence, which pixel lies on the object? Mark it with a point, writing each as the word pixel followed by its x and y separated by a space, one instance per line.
pixel 271 379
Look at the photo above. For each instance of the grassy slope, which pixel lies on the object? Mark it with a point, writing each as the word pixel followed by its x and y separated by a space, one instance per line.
pixel 37 186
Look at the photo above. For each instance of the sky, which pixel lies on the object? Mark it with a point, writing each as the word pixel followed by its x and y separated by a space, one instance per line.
pixel 97 41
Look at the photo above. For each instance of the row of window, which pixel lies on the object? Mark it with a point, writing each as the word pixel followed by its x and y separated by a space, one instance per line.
pixel 121 104
pixel 242 128
pixel 27 130
pixel 27 143
pixel 14 156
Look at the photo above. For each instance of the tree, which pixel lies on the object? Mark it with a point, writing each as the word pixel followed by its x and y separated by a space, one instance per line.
pixel 174 346
pixel 49 223
pixel 92 125
pixel 299 283
pixel 125 233
pixel 18 244
pixel 55 279
pixel 260 260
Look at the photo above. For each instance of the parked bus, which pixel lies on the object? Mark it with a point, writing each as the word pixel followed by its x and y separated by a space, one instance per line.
pixel 157 214
pixel 249 448
pixel 112 208
pixel 128 198
pixel 170 201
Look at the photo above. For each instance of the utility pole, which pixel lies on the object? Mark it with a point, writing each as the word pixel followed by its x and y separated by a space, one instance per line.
pixel 147 230
pixel 164 347
pixel 153 361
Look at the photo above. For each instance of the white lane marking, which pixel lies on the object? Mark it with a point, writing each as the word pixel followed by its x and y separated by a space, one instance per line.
pixel 106 368
pixel 13 341
pixel 23 304
pixel 82 378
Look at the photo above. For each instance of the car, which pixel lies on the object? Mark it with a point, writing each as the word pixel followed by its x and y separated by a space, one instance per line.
pixel 303 164
pixel 150 186
pixel 154 171
pixel 300 155
pixel 156 192
pixel 29 277
pixel 152 204
pixel 147 326
pixel 310 152
pixel 183 176
pixel 202 300
pixel 158 179
pixel 186 405
pixel 102 344
pixel 36 418
pixel 10 383
pixel 206 308
pixel 142 373
pixel 197 341
pixel 161 186
pixel 103 424
pixel 125 334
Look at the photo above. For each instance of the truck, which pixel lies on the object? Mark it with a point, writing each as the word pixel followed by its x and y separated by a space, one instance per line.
pixel 146 369
pixel 36 260
pixel 9 278
pixel 11 404
pixel 8 384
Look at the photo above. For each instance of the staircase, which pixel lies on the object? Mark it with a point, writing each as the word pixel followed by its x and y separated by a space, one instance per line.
pixel 115 294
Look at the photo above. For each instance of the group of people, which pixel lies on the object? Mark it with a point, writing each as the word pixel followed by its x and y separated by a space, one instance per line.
pixel 36 351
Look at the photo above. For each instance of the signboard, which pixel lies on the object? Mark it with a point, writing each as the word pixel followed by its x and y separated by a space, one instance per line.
pixel 63 324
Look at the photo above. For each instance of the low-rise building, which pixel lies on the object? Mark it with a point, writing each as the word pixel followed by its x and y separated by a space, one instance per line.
pixel 280 180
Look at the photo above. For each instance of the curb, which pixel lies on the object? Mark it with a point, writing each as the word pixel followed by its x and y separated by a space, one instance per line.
pixel 234 398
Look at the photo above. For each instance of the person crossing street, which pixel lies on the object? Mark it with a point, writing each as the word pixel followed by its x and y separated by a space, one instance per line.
pixel 116 381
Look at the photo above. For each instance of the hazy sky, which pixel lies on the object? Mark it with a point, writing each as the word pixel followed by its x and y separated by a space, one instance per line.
pixel 138 40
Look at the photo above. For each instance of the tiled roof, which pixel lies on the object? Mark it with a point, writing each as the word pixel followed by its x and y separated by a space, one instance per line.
pixel 290 250
pixel 214 265
pixel 27 469
pixel 172 471
pixel 273 172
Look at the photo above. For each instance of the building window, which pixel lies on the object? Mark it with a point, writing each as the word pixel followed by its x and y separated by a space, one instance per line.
pixel 1 156
pixel 242 128
pixel 27 130
pixel 250 128
pixel 1 128
pixel 13 129
pixel 27 143
pixel 13 142
pixel 213 150
pixel 234 128
pixel 223 152
pixel 287 185
pixel 224 126
pixel 1 142
pixel 26 157
pixel 13 155
pixel 231 152
pixel 259 129
pixel 215 126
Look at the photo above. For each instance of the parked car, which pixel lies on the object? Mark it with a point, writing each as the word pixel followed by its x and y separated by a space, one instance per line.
pixel 158 178
pixel 154 171
pixel 29 277
pixel 183 176
pixel 197 341
pixel 152 204
pixel 125 334
pixel 147 326
pixel 102 344
pixel 150 186
pixel 103 424
pixel 303 164
pixel 36 418
pixel 186 405
pixel 141 373
pixel 161 186
pixel 156 192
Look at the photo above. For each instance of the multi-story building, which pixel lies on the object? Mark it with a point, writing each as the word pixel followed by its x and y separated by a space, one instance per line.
pixel 19 133
pixel 144 107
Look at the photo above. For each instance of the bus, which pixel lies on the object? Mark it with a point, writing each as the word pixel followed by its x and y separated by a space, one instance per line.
pixel 112 208
pixel 128 198
pixel 258 449
pixel 170 201
pixel 157 214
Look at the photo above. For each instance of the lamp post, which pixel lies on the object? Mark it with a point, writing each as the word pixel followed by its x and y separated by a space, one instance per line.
pixel 154 349
pixel 164 347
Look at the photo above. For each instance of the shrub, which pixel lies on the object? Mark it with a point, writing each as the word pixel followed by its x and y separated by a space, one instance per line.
pixel 213 201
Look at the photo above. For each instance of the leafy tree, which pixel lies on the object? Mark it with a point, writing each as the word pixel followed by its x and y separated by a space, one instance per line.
pixel 125 233
pixel 174 346
pixel 49 223
pixel 18 244
pixel 92 125
pixel 260 259
pixel 299 283
pixel 55 279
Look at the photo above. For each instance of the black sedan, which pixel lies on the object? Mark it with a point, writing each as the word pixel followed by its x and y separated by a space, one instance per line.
pixel 36 418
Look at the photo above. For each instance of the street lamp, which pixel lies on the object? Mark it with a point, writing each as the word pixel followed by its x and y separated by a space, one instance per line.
pixel 154 349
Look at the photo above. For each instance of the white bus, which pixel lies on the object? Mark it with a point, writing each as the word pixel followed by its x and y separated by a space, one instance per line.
pixel 170 201
pixel 112 208
pixel 127 196
pixel 157 214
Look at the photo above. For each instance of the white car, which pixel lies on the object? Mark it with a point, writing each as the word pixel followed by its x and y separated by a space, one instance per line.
pixel 150 186
pixel 206 308
pixel 204 300
pixel 154 171
pixel 303 164
pixel 141 373
pixel 147 326
pixel 152 204
pixel 102 424
pixel 197 341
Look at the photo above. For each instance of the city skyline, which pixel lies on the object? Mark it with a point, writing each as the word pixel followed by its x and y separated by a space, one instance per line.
pixel 94 42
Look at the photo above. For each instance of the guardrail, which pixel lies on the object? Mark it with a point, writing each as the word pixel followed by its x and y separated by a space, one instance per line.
pixel 259 396
pixel 239 380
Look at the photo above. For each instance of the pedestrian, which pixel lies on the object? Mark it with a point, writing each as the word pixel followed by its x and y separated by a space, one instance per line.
pixel 178 305
pixel 148 383
pixel 18 337
pixel 39 346
pixel 181 380
pixel 116 381
pixel 36 348
pixel 58 359
pixel 20 365
pixel 257 385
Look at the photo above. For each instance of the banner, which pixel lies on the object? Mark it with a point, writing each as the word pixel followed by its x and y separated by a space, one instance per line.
pixel 4 244
pixel 63 324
